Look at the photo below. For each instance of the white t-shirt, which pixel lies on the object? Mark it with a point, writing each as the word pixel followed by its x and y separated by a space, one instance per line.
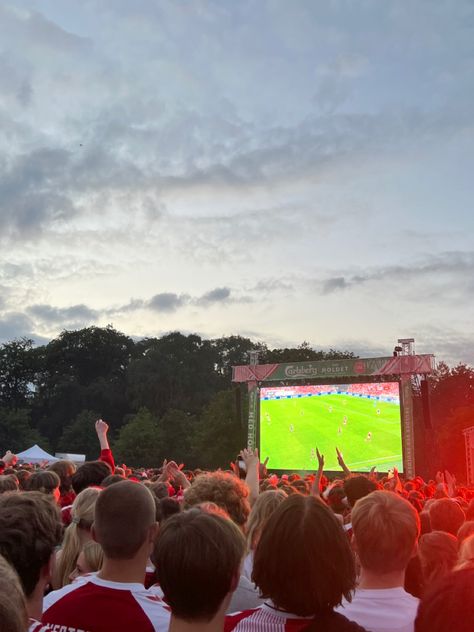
pixel 381 609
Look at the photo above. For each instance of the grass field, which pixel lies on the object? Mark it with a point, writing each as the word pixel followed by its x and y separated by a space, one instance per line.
pixel 291 430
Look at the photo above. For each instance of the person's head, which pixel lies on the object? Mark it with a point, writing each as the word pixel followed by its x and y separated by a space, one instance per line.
pixel 110 480
pixel 23 477
pixel 466 553
pixel 165 508
pixel 13 613
pixel 226 490
pixel 425 522
pixel 77 533
pixel 124 522
pixel 89 560
pixel 446 515
pixel 90 474
pixel 197 556
pixel 303 560
pixel 30 529
pixel 45 482
pixel 386 529
pixel 438 552
pixel 262 509
pixel 448 605
pixel 465 530
pixel 336 498
pixel 64 469
pixel 8 483
pixel 357 487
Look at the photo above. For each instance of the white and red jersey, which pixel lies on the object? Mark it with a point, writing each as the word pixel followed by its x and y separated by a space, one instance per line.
pixel 37 626
pixel 266 618
pixel 91 604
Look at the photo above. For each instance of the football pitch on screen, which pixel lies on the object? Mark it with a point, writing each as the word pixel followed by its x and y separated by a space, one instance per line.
pixel 366 431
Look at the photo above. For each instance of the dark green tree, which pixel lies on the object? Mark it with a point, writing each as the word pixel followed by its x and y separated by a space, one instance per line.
pixel 79 437
pixel 17 373
pixel 16 433
pixel 140 441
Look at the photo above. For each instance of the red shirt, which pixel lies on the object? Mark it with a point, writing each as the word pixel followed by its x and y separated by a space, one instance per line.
pixel 91 604
pixel 264 618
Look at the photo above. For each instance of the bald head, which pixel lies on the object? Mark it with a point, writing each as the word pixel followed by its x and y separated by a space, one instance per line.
pixel 124 513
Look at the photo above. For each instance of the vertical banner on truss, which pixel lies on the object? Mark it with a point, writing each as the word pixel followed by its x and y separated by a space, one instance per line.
pixel 253 415
pixel 407 426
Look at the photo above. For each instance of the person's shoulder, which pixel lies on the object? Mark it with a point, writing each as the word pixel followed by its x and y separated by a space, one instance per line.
pixel 334 622
pixel 233 620
pixel 37 626
pixel 54 596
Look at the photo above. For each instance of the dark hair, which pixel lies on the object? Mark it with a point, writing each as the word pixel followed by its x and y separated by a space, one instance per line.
pixel 111 479
pixel 30 529
pixel 43 481
pixel 448 605
pixel 446 515
pixel 357 487
pixel 165 508
pixel 303 560
pixel 90 474
pixel 197 556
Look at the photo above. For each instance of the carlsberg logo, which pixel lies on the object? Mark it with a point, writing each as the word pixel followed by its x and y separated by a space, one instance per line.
pixel 292 371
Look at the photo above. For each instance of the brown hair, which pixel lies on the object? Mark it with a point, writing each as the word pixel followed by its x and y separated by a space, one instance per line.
pixel 446 515
pixel 64 469
pixel 90 474
pixel 8 483
pixel 43 481
pixel 13 613
pixel 226 490
pixel 124 513
pixel 303 560
pixel 386 528
pixel 197 556
pixel 30 529
pixel 465 530
pixel 438 552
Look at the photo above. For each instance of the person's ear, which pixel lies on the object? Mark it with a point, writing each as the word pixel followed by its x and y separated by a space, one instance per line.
pixel 153 533
pixel 354 544
pixel 235 581
pixel 414 553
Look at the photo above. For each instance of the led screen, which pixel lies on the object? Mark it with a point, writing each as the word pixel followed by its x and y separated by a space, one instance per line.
pixel 362 420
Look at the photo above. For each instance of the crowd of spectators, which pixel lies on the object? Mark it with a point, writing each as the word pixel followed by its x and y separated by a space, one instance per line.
pixel 101 548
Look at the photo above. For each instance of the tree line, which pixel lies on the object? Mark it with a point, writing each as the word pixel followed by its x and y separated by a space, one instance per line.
pixel 171 396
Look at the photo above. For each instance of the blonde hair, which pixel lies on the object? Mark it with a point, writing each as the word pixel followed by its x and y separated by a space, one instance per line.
pixel 262 509
pixel 386 528
pixel 466 554
pixel 82 514
pixel 13 613
pixel 93 555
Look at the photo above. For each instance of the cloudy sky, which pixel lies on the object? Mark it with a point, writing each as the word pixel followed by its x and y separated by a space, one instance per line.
pixel 286 171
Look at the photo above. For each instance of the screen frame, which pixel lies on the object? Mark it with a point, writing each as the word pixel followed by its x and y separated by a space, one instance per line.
pixel 331 382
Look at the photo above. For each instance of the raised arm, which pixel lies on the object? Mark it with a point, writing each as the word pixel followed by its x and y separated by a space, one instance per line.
pixel 316 486
pixel 252 463
pixel 106 455
pixel 342 465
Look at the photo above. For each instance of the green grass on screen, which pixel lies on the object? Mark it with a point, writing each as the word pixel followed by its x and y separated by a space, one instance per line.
pixel 291 430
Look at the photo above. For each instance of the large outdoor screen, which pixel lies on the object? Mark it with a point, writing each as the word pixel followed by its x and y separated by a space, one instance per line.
pixel 361 420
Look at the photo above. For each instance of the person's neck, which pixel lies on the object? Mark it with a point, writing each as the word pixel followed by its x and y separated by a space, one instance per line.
pixel 34 603
pixel 369 579
pixel 214 625
pixel 124 571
